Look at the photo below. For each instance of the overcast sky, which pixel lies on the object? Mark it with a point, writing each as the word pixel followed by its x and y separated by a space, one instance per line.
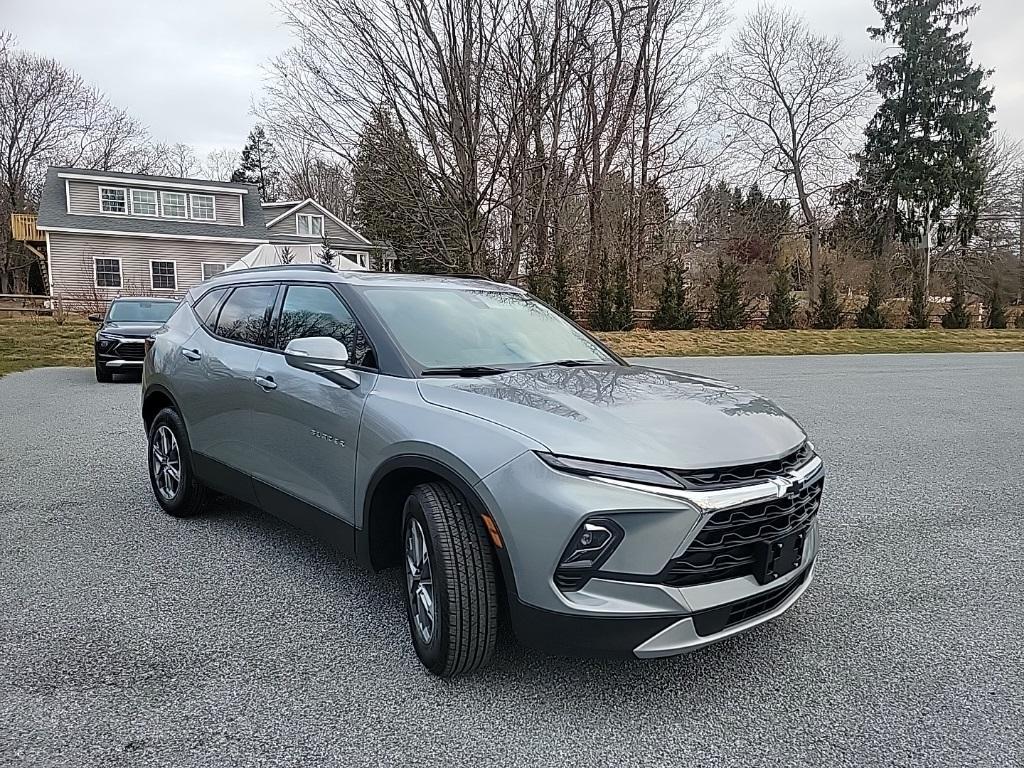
pixel 190 69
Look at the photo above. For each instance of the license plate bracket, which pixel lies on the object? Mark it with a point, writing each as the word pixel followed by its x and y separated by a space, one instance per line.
pixel 781 556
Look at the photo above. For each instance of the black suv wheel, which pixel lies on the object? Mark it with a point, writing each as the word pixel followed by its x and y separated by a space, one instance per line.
pixel 451 583
pixel 171 472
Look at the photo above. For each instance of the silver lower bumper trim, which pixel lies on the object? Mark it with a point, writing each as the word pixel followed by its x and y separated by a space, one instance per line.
pixel 682 636
pixel 123 363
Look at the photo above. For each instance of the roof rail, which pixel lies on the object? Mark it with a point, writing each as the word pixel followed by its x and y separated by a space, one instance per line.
pixel 460 274
pixel 280 267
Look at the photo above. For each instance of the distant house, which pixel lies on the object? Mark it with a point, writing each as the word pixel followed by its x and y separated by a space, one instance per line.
pixel 107 234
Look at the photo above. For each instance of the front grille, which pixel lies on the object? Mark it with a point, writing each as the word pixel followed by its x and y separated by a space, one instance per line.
pixel 129 350
pixel 727 477
pixel 714 620
pixel 731 542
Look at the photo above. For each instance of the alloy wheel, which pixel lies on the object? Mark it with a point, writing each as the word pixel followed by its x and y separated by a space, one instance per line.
pixel 166 463
pixel 419 579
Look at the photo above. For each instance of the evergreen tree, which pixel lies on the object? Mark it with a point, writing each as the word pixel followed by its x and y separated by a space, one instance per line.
pixel 957 316
pixel 672 312
pixel 996 308
pixel 259 165
pixel 871 315
pixel 729 309
pixel 622 298
pixel 285 255
pixel 602 313
pixel 327 254
pixel 921 156
pixel 560 298
pixel 781 304
pixel 917 312
pixel 826 313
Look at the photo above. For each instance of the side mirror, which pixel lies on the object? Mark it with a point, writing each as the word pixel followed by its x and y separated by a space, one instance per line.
pixel 95 318
pixel 322 355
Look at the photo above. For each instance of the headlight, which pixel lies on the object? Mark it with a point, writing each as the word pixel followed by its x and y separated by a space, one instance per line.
pixel 590 546
pixel 615 471
pixel 104 336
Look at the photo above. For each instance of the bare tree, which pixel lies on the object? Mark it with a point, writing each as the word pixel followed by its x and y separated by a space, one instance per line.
pixel 220 164
pixel 794 101
pixel 179 160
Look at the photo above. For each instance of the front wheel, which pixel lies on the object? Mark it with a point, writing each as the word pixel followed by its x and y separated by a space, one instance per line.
pixel 103 376
pixel 451 581
pixel 171 471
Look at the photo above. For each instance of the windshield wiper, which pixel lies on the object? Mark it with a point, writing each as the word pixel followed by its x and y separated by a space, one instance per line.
pixel 568 363
pixel 466 370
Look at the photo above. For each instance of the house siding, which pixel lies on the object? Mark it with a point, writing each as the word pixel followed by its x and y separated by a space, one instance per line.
pixel 84 199
pixel 287 227
pixel 71 264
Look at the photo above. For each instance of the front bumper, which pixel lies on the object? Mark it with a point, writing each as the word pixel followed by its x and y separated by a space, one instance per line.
pixel 628 611
pixel 126 354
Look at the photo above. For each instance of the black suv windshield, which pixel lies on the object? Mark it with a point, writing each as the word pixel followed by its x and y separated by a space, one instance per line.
pixel 140 311
pixel 454 328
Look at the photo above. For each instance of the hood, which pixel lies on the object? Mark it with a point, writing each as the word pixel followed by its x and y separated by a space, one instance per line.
pixel 626 414
pixel 131 330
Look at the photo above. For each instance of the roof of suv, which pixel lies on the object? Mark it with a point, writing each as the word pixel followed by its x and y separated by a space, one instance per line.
pixel 321 273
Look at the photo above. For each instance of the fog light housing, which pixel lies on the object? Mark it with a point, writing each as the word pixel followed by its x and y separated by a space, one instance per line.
pixel 588 549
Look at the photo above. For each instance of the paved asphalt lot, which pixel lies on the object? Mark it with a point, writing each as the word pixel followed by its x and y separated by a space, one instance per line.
pixel 130 638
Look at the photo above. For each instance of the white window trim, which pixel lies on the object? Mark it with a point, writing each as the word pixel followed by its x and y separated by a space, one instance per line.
pixel 310 216
pixel 163 261
pixel 120 273
pixel 122 190
pixel 156 203
pixel 205 264
pixel 163 207
pixel 192 208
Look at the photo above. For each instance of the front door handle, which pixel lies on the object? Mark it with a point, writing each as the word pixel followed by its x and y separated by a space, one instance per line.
pixel 192 354
pixel 267 383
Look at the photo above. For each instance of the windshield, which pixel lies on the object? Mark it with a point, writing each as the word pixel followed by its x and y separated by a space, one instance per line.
pixel 140 311
pixel 442 328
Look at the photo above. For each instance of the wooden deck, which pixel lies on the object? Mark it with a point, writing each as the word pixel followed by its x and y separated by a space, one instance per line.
pixel 23 227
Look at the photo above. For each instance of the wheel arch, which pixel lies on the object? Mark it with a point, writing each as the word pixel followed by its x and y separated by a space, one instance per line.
pixel 155 400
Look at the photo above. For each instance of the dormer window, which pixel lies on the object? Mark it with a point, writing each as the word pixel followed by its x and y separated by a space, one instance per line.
pixel 203 207
pixel 143 202
pixel 113 200
pixel 309 225
pixel 174 204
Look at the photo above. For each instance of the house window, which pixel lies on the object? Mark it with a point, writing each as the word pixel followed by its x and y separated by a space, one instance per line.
pixel 113 200
pixel 309 225
pixel 143 202
pixel 163 275
pixel 203 207
pixel 174 204
pixel 212 269
pixel 107 272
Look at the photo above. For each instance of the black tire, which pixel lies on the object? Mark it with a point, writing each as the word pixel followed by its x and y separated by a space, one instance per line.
pixel 191 495
pixel 464 581
pixel 103 376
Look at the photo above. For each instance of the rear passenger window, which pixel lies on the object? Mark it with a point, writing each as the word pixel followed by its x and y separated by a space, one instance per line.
pixel 205 306
pixel 246 313
pixel 311 310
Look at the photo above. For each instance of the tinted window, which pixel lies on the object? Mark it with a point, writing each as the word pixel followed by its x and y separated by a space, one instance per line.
pixel 132 311
pixel 311 310
pixel 246 312
pixel 205 306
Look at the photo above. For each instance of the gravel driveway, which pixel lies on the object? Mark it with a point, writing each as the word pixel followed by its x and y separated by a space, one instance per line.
pixel 130 638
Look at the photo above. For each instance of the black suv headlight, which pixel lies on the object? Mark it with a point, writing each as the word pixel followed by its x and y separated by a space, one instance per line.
pixel 106 340
pixel 588 549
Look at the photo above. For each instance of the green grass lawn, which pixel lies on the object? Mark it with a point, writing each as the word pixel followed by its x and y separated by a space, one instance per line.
pixel 35 342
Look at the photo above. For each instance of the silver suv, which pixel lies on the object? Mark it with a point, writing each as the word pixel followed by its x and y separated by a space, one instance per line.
pixel 496 452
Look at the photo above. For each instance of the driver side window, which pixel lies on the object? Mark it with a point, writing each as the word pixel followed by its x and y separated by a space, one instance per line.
pixel 316 310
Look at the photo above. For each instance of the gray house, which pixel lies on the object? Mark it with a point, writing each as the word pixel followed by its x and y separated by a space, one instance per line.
pixel 108 234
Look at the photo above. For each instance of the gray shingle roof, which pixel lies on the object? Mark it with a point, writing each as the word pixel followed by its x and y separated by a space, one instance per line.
pixel 53 210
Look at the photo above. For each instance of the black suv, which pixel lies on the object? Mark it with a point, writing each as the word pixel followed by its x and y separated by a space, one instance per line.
pixel 121 339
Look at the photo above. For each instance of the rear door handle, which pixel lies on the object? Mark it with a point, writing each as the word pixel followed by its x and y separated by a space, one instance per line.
pixel 267 383
pixel 192 354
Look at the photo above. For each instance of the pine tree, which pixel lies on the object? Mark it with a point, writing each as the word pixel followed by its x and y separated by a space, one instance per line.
pixel 871 315
pixel 560 297
pixel 781 304
pixel 826 313
pixel 285 255
pixel 259 165
pixel 921 156
pixel 996 308
pixel 672 312
pixel 917 312
pixel 957 316
pixel 327 254
pixel 602 313
pixel 729 309
pixel 622 298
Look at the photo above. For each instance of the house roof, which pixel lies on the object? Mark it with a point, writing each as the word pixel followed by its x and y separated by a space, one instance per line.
pixel 53 208
pixel 299 205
